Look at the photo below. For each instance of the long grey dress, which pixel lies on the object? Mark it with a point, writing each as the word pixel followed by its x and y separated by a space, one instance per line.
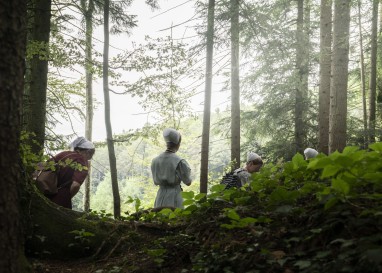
pixel 168 170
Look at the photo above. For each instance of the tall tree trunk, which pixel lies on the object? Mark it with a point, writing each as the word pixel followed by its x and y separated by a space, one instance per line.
pixel 379 70
pixel 373 72
pixel 325 63
pixel 207 99
pixel 302 79
pixel 88 14
pixel 109 133
pixel 338 84
pixel 363 83
pixel 12 55
pixel 37 73
pixel 235 85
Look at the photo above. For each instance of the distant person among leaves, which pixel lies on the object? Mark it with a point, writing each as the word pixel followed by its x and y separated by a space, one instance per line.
pixel 73 170
pixel 169 170
pixel 310 153
pixel 240 177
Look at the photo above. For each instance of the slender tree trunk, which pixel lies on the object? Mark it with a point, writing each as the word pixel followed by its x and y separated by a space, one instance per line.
pixel 302 74
pixel 325 65
pixel 363 83
pixel 379 70
pixel 12 54
pixel 37 74
pixel 373 72
pixel 235 85
pixel 207 99
pixel 88 14
pixel 109 133
pixel 338 84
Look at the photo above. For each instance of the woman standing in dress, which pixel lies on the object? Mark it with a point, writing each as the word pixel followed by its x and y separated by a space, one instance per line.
pixel 169 170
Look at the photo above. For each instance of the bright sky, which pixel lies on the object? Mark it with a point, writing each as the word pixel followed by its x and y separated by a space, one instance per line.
pixel 125 112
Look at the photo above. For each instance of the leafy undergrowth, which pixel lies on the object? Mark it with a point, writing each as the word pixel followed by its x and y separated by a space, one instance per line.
pixel 322 215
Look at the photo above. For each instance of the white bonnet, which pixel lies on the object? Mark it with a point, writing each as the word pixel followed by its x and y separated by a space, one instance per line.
pixel 171 135
pixel 310 153
pixel 253 156
pixel 81 142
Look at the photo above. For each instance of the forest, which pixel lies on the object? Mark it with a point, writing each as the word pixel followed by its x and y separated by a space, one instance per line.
pixel 289 74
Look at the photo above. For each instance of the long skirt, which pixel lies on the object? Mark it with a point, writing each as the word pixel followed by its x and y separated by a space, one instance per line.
pixel 169 197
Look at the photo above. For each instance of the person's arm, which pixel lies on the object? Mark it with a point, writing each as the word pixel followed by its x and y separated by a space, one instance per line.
pixel 74 188
pixel 185 172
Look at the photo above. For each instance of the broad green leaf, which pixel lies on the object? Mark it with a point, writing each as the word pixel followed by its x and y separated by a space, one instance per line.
pixel 188 202
pixel 344 161
pixel 172 215
pixel 279 194
pixel 331 202
pixel 298 161
pixel 340 186
pixel 232 214
pixel 165 211
pixel 319 163
pixel 330 170
pixel 187 194
pixel 218 188
pixel 200 196
pixel 248 220
pixel 242 200
pixel 191 208
pixel 350 150
pixel 376 146
pixel 373 177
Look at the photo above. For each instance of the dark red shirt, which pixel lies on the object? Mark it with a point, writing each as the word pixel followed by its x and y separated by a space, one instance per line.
pixel 75 170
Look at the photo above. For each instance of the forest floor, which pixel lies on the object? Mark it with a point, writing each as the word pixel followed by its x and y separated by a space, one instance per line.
pixel 229 237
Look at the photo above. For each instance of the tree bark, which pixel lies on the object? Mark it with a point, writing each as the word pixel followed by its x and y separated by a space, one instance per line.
pixel 235 85
pixel 325 64
pixel 338 84
pixel 36 79
pixel 12 66
pixel 52 229
pixel 88 14
pixel 207 99
pixel 109 132
pixel 373 72
pixel 363 82
pixel 302 75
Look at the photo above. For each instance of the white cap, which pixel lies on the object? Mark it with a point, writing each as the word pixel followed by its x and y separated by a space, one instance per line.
pixel 310 153
pixel 171 135
pixel 252 156
pixel 81 142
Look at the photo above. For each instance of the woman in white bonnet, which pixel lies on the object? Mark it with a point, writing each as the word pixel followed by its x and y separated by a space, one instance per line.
pixel 254 164
pixel 169 170
pixel 310 153
pixel 71 176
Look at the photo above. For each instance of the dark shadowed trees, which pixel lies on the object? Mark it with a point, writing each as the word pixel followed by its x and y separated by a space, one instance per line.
pixel 12 66
pixel 36 78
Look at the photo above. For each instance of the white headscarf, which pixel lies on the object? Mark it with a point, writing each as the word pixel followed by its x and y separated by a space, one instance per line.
pixel 81 142
pixel 310 153
pixel 171 135
pixel 253 156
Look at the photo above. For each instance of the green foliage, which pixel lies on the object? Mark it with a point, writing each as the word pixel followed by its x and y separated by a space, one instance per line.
pixel 81 238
